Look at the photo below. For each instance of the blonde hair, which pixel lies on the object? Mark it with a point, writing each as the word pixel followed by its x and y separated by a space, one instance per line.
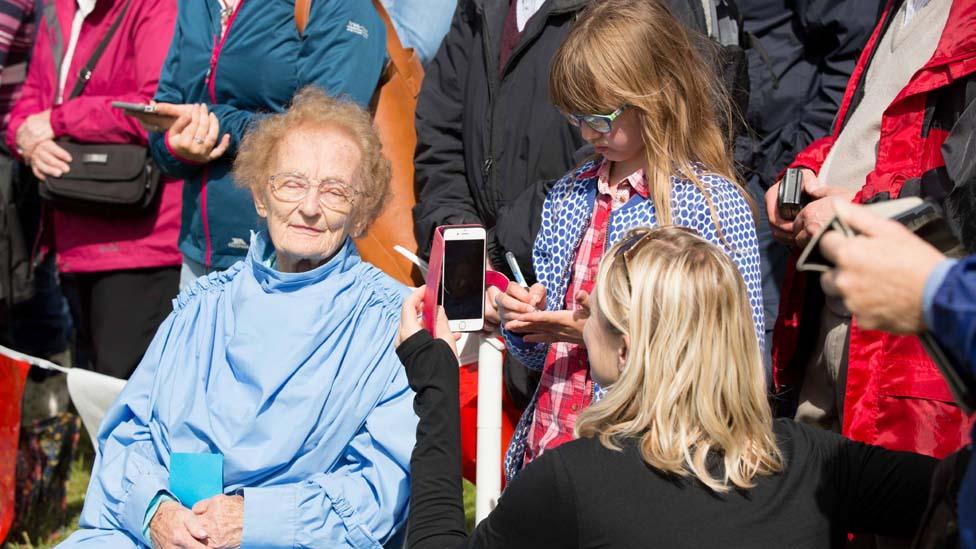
pixel 692 384
pixel 636 53
pixel 312 108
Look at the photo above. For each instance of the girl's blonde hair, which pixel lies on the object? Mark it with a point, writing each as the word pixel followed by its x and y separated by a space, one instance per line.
pixel 635 53
pixel 692 385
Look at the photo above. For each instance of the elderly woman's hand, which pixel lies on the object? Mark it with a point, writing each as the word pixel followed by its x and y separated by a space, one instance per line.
pixel 223 518
pixel 175 526
pixel 194 135
pixel 411 320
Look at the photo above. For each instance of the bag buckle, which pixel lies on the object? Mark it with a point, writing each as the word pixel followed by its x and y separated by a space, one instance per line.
pixel 94 158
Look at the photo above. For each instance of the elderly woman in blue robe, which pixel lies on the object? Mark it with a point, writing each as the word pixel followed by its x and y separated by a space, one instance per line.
pixel 282 364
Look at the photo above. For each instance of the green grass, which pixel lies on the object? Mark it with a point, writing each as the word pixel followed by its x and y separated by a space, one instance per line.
pixel 469 504
pixel 78 485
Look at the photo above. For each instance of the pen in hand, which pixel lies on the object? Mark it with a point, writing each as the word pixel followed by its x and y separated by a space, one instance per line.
pixel 514 266
pixel 517 272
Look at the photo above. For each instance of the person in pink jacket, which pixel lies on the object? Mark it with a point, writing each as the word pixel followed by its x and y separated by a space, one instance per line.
pixel 119 274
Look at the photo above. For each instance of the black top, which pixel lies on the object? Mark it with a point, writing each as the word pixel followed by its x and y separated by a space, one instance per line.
pixel 585 495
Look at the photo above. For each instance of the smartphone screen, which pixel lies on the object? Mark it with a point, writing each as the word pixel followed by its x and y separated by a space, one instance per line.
pixel 463 282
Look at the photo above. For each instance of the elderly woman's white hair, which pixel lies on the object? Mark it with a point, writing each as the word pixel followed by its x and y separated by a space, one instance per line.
pixel 313 108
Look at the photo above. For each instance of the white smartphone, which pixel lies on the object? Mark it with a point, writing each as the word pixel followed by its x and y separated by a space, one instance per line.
pixel 463 278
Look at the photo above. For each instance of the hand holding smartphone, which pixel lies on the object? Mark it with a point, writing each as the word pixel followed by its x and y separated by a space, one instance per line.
pixel 463 278
pixel 148 115
pixel 134 108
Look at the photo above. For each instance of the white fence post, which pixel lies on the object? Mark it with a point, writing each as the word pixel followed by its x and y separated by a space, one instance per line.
pixel 488 475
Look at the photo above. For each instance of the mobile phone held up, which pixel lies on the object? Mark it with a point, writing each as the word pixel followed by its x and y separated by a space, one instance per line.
pixel 463 278
pixel 134 108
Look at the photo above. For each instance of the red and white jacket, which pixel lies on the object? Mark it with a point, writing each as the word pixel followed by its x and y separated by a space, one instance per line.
pixel 895 396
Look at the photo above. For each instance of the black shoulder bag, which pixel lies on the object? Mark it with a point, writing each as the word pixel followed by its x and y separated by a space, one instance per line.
pixel 104 178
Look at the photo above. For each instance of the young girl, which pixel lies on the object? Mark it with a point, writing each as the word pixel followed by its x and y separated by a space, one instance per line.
pixel 661 160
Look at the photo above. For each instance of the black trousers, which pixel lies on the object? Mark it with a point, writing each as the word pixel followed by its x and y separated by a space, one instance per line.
pixel 116 314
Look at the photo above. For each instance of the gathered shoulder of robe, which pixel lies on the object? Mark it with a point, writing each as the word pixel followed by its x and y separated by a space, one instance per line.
pixel 294 379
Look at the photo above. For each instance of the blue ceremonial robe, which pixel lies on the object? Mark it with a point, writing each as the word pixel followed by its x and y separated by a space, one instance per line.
pixel 293 378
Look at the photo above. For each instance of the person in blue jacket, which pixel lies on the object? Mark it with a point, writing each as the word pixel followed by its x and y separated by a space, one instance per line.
pixel 894 281
pixel 231 61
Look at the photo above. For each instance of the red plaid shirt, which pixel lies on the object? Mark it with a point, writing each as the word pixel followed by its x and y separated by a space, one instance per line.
pixel 565 388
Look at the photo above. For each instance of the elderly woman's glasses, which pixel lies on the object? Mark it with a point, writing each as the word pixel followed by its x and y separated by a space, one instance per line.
pixel 602 123
pixel 294 187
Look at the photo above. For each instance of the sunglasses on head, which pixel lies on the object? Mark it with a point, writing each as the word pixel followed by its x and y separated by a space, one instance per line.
pixel 634 240
pixel 602 123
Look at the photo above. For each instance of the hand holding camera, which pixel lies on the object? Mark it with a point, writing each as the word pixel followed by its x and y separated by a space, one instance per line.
pixel 799 206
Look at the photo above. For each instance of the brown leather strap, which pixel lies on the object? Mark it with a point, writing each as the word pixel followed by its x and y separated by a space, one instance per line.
pixel 302 9
pixel 399 56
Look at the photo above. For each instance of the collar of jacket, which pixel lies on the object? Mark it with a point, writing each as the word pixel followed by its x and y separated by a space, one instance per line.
pixel 954 58
pixel 551 7
pixel 493 13
pixel 958 41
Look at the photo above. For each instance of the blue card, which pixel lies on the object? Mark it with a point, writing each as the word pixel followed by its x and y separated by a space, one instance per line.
pixel 195 477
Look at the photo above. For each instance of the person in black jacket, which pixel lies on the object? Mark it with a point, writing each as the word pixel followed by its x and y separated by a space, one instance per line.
pixel 801 56
pixel 489 142
pixel 682 451
pixel 486 129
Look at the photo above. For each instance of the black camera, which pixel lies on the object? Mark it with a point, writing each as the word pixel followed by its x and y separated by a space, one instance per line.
pixel 791 197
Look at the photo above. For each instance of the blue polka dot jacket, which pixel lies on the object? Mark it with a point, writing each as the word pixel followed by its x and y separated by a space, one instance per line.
pixel 566 215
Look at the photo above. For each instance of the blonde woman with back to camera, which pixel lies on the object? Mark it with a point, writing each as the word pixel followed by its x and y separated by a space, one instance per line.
pixel 683 450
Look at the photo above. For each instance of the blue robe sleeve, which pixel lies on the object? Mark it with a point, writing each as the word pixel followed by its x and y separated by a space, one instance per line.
pixel 128 472
pixel 359 504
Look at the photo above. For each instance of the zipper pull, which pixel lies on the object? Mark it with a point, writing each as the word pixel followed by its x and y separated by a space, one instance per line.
pixel 486 167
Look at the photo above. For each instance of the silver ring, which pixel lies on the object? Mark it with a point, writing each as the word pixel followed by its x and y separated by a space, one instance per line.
pixel 198 140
